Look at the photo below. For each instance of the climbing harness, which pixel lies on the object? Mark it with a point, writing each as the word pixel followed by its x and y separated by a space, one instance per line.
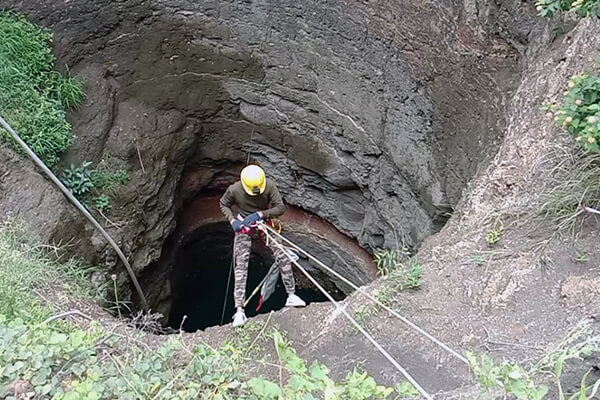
pixel 362 291
pixel 80 207
pixel 267 285
pixel 351 319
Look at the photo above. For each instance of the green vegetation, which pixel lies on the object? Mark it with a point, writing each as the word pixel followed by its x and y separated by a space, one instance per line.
pixel 398 275
pixel 574 179
pixel 413 275
pixel 479 260
pixel 93 364
pixel 579 110
pixel 363 313
pixel 314 382
pixel 27 269
pixel 388 260
pixel 34 97
pixel 584 8
pixel 102 203
pixel 531 383
pixel 581 257
pixel 94 185
pixel 494 235
pixel 79 179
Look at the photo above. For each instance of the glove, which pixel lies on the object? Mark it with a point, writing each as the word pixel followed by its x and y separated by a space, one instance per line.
pixel 237 225
pixel 252 219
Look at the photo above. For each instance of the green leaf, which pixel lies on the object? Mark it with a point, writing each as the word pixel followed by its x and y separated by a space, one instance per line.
pixel 318 371
pixel 264 389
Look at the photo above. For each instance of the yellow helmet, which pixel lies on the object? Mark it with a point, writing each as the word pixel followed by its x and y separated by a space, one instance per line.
pixel 253 180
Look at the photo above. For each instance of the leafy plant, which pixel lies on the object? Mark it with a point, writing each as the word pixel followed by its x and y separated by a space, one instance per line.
pixel 79 179
pixel 89 363
pixel 34 97
pixel 510 377
pixel 579 111
pixel 385 294
pixel 584 8
pixel 406 275
pixel 102 203
pixel 84 180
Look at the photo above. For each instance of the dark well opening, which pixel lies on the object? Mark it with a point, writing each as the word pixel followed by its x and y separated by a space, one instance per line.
pixel 201 271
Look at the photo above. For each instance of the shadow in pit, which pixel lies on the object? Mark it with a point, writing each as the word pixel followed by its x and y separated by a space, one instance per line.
pixel 199 280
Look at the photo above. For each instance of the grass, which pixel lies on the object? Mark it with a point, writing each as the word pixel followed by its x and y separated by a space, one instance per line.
pixel 397 275
pixel 363 313
pixel 573 181
pixel 27 269
pixel 581 257
pixel 33 96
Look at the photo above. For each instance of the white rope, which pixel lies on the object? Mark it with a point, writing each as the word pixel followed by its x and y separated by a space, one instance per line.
pixel 79 206
pixel 352 320
pixel 356 287
pixel 591 210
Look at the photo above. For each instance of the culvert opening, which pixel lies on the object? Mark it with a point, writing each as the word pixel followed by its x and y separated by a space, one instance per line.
pixel 200 277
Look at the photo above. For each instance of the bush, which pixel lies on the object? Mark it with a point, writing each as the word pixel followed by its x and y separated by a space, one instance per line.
pixel 584 8
pixel 34 97
pixel 579 111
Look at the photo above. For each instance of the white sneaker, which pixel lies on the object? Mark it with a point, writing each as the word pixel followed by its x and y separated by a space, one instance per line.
pixel 239 318
pixel 294 301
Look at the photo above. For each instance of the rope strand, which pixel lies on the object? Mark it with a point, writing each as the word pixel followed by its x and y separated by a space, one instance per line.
pixel 356 287
pixel 352 320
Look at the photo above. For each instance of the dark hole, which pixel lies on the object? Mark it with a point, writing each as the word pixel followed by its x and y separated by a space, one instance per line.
pixel 202 269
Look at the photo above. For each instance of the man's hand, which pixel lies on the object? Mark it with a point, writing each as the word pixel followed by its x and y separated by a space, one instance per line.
pixel 237 225
pixel 252 219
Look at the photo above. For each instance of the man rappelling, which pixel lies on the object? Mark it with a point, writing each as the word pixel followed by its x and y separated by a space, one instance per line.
pixel 257 199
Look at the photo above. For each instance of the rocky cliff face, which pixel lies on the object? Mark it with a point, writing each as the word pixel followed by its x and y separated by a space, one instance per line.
pixel 372 116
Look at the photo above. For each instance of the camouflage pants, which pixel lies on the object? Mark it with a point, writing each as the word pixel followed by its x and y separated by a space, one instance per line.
pixel 241 251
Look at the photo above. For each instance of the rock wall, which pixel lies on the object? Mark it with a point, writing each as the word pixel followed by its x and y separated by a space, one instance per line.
pixel 372 115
